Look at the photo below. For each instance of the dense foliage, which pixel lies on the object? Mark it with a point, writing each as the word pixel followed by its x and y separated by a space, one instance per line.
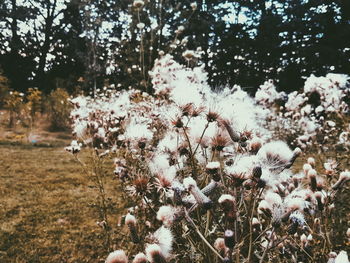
pixel 90 42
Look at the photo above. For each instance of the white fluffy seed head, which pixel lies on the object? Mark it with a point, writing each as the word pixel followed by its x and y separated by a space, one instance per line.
pixel 298 218
pixel 303 238
pixel 165 240
pixel 130 220
pixel 311 173
pixel 309 237
pixel 255 221
pixel 219 244
pixel 264 206
pixel 225 198
pixel 348 232
pixel 306 168
pixel 296 203
pixel 342 257
pixel 152 251
pixel 275 154
pixel 344 175
pixel 166 214
pixel 318 195
pixel 273 198
pixel 213 165
pixel 117 256
pixel 140 258
pixel 311 161
pixel 189 182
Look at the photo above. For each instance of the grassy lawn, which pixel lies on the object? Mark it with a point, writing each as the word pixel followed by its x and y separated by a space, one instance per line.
pixel 48 207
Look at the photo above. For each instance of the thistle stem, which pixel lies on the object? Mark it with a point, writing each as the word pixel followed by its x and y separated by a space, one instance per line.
pixel 189 219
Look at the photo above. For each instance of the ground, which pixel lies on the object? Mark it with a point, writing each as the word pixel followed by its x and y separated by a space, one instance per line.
pixel 47 203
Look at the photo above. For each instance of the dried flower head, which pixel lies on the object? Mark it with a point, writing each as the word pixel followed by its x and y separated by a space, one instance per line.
pixel 138 3
pixel 229 239
pixel 140 185
pixel 191 185
pixel 189 55
pixel 212 116
pixel 154 254
pixel 117 256
pixel 219 142
pixel 342 257
pixel 164 238
pixel 194 6
pixel 275 155
pixel 235 137
pixel 140 258
pixel 219 245
pixel 255 145
pixel 343 178
pixel 311 161
pixel 166 214
pixel 212 168
pixel 130 221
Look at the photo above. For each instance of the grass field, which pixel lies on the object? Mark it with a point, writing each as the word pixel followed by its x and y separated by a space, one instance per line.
pixel 47 207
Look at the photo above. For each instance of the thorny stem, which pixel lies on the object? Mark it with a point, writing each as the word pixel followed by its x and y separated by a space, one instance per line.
pixel 267 246
pixel 145 198
pixel 201 138
pixel 142 58
pixel 207 224
pixel 189 219
pixel 236 233
pixel 96 174
pixel 255 198
pixel 191 152
pixel 302 249
pixel 99 178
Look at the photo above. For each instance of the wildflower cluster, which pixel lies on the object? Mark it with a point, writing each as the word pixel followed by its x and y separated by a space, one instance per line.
pixel 204 180
pixel 318 116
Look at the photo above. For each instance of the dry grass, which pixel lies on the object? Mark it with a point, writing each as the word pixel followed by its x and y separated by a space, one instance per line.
pixel 47 207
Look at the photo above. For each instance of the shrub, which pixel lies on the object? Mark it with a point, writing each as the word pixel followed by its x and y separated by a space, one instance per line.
pixel 4 89
pixel 59 109
pixel 14 104
pixel 34 99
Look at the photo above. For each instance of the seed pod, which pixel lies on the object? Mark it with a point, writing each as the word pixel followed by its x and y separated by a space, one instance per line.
pixel 117 256
pixel 261 183
pixel 312 177
pixel 154 254
pixel 317 225
pixel 293 227
pixel 233 135
pixel 228 203
pixel 191 185
pixel 229 239
pixel 343 178
pixel 140 258
pixel 320 205
pixel 178 190
pixel 209 188
pixel 130 221
pixel 296 153
pixel 257 172
pixel 213 168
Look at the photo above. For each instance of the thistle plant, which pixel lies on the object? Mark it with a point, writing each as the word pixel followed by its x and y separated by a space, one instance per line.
pixel 204 180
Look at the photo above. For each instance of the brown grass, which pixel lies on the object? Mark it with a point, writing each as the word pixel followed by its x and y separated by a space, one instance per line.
pixel 47 207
